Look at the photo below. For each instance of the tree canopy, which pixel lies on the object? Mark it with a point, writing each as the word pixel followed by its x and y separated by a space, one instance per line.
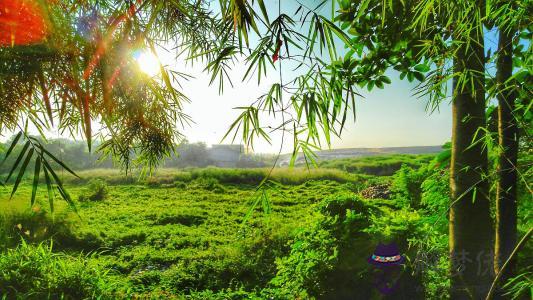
pixel 80 69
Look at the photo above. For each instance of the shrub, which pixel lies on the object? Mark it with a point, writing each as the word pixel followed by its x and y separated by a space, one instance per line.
pixel 407 184
pixel 180 185
pixel 35 272
pixel 436 192
pixel 324 257
pixel 328 260
pixel 152 182
pixel 432 239
pixel 96 190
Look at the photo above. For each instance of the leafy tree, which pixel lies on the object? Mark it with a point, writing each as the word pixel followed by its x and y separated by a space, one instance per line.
pixel 82 71
pixel 448 38
pixel 442 41
pixel 513 64
pixel 190 154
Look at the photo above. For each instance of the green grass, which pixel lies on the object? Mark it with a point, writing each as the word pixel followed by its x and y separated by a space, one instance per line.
pixel 180 234
pixel 377 165
pixel 177 233
pixel 288 176
pixel 36 272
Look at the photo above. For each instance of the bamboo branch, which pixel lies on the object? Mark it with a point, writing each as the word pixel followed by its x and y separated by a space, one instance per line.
pixel 518 246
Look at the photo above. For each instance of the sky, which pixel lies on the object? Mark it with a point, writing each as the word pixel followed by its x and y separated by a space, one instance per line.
pixel 389 117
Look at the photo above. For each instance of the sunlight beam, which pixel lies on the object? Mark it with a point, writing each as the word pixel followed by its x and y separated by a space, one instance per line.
pixel 148 63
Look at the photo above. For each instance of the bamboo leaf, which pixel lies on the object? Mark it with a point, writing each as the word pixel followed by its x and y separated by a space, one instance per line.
pixel 49 188
pixel 36 173
pixel 60 186
pixel 337 31
pixel 46 98
pixel 21 172
pixel 13 144
pixel 263 10
pixel 62 164
pixel 87 119
pixel 19 158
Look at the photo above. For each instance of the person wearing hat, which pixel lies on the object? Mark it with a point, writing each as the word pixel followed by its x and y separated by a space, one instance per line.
pixel 389 261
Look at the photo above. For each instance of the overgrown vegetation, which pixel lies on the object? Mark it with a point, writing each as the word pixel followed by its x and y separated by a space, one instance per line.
pixel 95 190
pixel 36 272
pixel 377 165
pixel 180 235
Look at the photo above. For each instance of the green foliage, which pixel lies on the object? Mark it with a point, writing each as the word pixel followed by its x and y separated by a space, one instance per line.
pixel 187 240
pixel 34 151
pixel 431 239
pixel 288 176
pixel 520 286
pixel 33 226
pixel 312 255
pixel 407 184
pixel 35 272
pixel 172 241
pixel 95 190
pixel 436 193
pixel 328 259
pixel 377 165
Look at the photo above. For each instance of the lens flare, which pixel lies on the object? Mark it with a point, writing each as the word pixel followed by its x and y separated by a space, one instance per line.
pixel 148 63
pixel 22 22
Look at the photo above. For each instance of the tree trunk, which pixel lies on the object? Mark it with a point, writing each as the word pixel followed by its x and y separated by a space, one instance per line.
pixel 506 202
pixel 470 227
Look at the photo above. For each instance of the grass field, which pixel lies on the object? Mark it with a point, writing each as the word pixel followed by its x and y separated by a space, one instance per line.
pixel 214 234
pixel 177 232
pixel 377 165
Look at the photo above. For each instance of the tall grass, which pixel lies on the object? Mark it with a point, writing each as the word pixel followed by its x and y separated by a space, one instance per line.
pixel 289 176
pixel 35 272
pixel 378 165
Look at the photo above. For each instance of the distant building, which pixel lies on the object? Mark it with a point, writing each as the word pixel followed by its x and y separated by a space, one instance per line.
pixel 226 156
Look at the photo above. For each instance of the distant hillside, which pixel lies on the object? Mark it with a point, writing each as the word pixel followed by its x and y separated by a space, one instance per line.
pixel 362 152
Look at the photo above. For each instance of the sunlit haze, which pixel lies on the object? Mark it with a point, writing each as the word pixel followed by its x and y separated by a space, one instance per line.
pixel 389 117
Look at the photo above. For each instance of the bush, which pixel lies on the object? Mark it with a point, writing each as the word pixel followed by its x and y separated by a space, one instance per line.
pixel 407 184
pixel 96 190
pixel 328 260
pixel 152 182
pixel 35 272
pixel 327 256
pixel 180 185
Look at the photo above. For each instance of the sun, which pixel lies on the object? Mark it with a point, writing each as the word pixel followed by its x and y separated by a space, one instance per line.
pixel 148 63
